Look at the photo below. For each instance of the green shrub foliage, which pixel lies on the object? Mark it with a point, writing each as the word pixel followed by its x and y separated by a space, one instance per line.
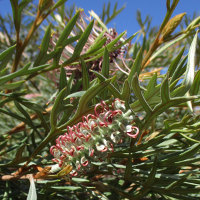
pixel 89 113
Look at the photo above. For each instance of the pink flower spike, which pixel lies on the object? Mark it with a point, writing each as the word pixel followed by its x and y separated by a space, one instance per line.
pixel 108 118
pixel 84 119
pixel 105 149
pixel 90 116
pixel 78 148
pixel 106 107
pixel 78 126
pixel 111 146
pixel 71 152
pixel 84 162
pixel 52 149
pixel 87 137
pixel 91 152
pixel 95 109
pixel 74 173
pixel 133 135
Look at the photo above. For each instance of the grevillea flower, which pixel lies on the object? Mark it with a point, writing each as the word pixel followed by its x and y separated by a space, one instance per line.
pixel 109 34
pixel 97 134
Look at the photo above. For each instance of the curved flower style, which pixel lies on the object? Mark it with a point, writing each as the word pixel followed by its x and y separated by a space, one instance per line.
pixel 91 139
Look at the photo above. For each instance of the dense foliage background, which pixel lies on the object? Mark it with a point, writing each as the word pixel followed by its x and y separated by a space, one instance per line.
pixel 59 66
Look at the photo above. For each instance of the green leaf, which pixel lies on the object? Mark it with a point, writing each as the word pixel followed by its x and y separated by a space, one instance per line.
pixel 11 86
pixel 58 4
pixel 99 41
pixel 181 156
pixel 31 105
pixel 84 101
pixel 164 90
pixel 80 180
pixel 179 91
pixel 126 91
pixel 63 79
pixel 35 69
pixel 11 76
pixel 179 70
pixel 85 75
pixel 166 46
pixel 6 56
pixel 56 107
pixel 83 39
pixel 63 40
pixel 196 84
pixel 136 66
pixel 149 182
pixel 114 91
pixel 111 45
pixel 151 87
pixel 56 54
pixel 95 16
pixel 189 75
pixel 75 95
pixel 23 4
pixel 44 46
pixel 16 14
pixel 13 115
pixel 71 188
pixel 175 62
pixel 139 95
pixel 18 156
pixel 160 108
pixel 67 30
pixel 26 115
pixel 89 95
pixel 106 63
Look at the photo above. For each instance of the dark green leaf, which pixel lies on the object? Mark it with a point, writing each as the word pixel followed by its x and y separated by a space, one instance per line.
pixel 31 105
pixel 196 84
pixel 11 86
pixel 179 70
pixel 26 115
pixel 44 46
pixel 6 56
pixel 139 95
pixel 164 90
pixel 63 79
pixel 126 91
pixel 56 107
pixel 151 87
pixel 106 63
pixel 76 94
pixel 64 35
pixel 13 115
pixel 175 62
pixel 58 3
pixel 85 75
pixel 11 76
pixel 111 87
pixel 136 66
pixel 83 39
pixel 182 156
pixel 98 41
pixel 18 156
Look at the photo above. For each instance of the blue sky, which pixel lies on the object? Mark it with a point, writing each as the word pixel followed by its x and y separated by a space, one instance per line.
pixel 127 19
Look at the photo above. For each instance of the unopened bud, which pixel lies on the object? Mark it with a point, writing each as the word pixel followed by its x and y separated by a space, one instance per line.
pixel 45 4
pixel 171 25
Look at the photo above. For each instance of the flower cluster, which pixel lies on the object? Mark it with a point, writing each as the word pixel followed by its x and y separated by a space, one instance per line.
pixel 97 134
pixel 96 65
